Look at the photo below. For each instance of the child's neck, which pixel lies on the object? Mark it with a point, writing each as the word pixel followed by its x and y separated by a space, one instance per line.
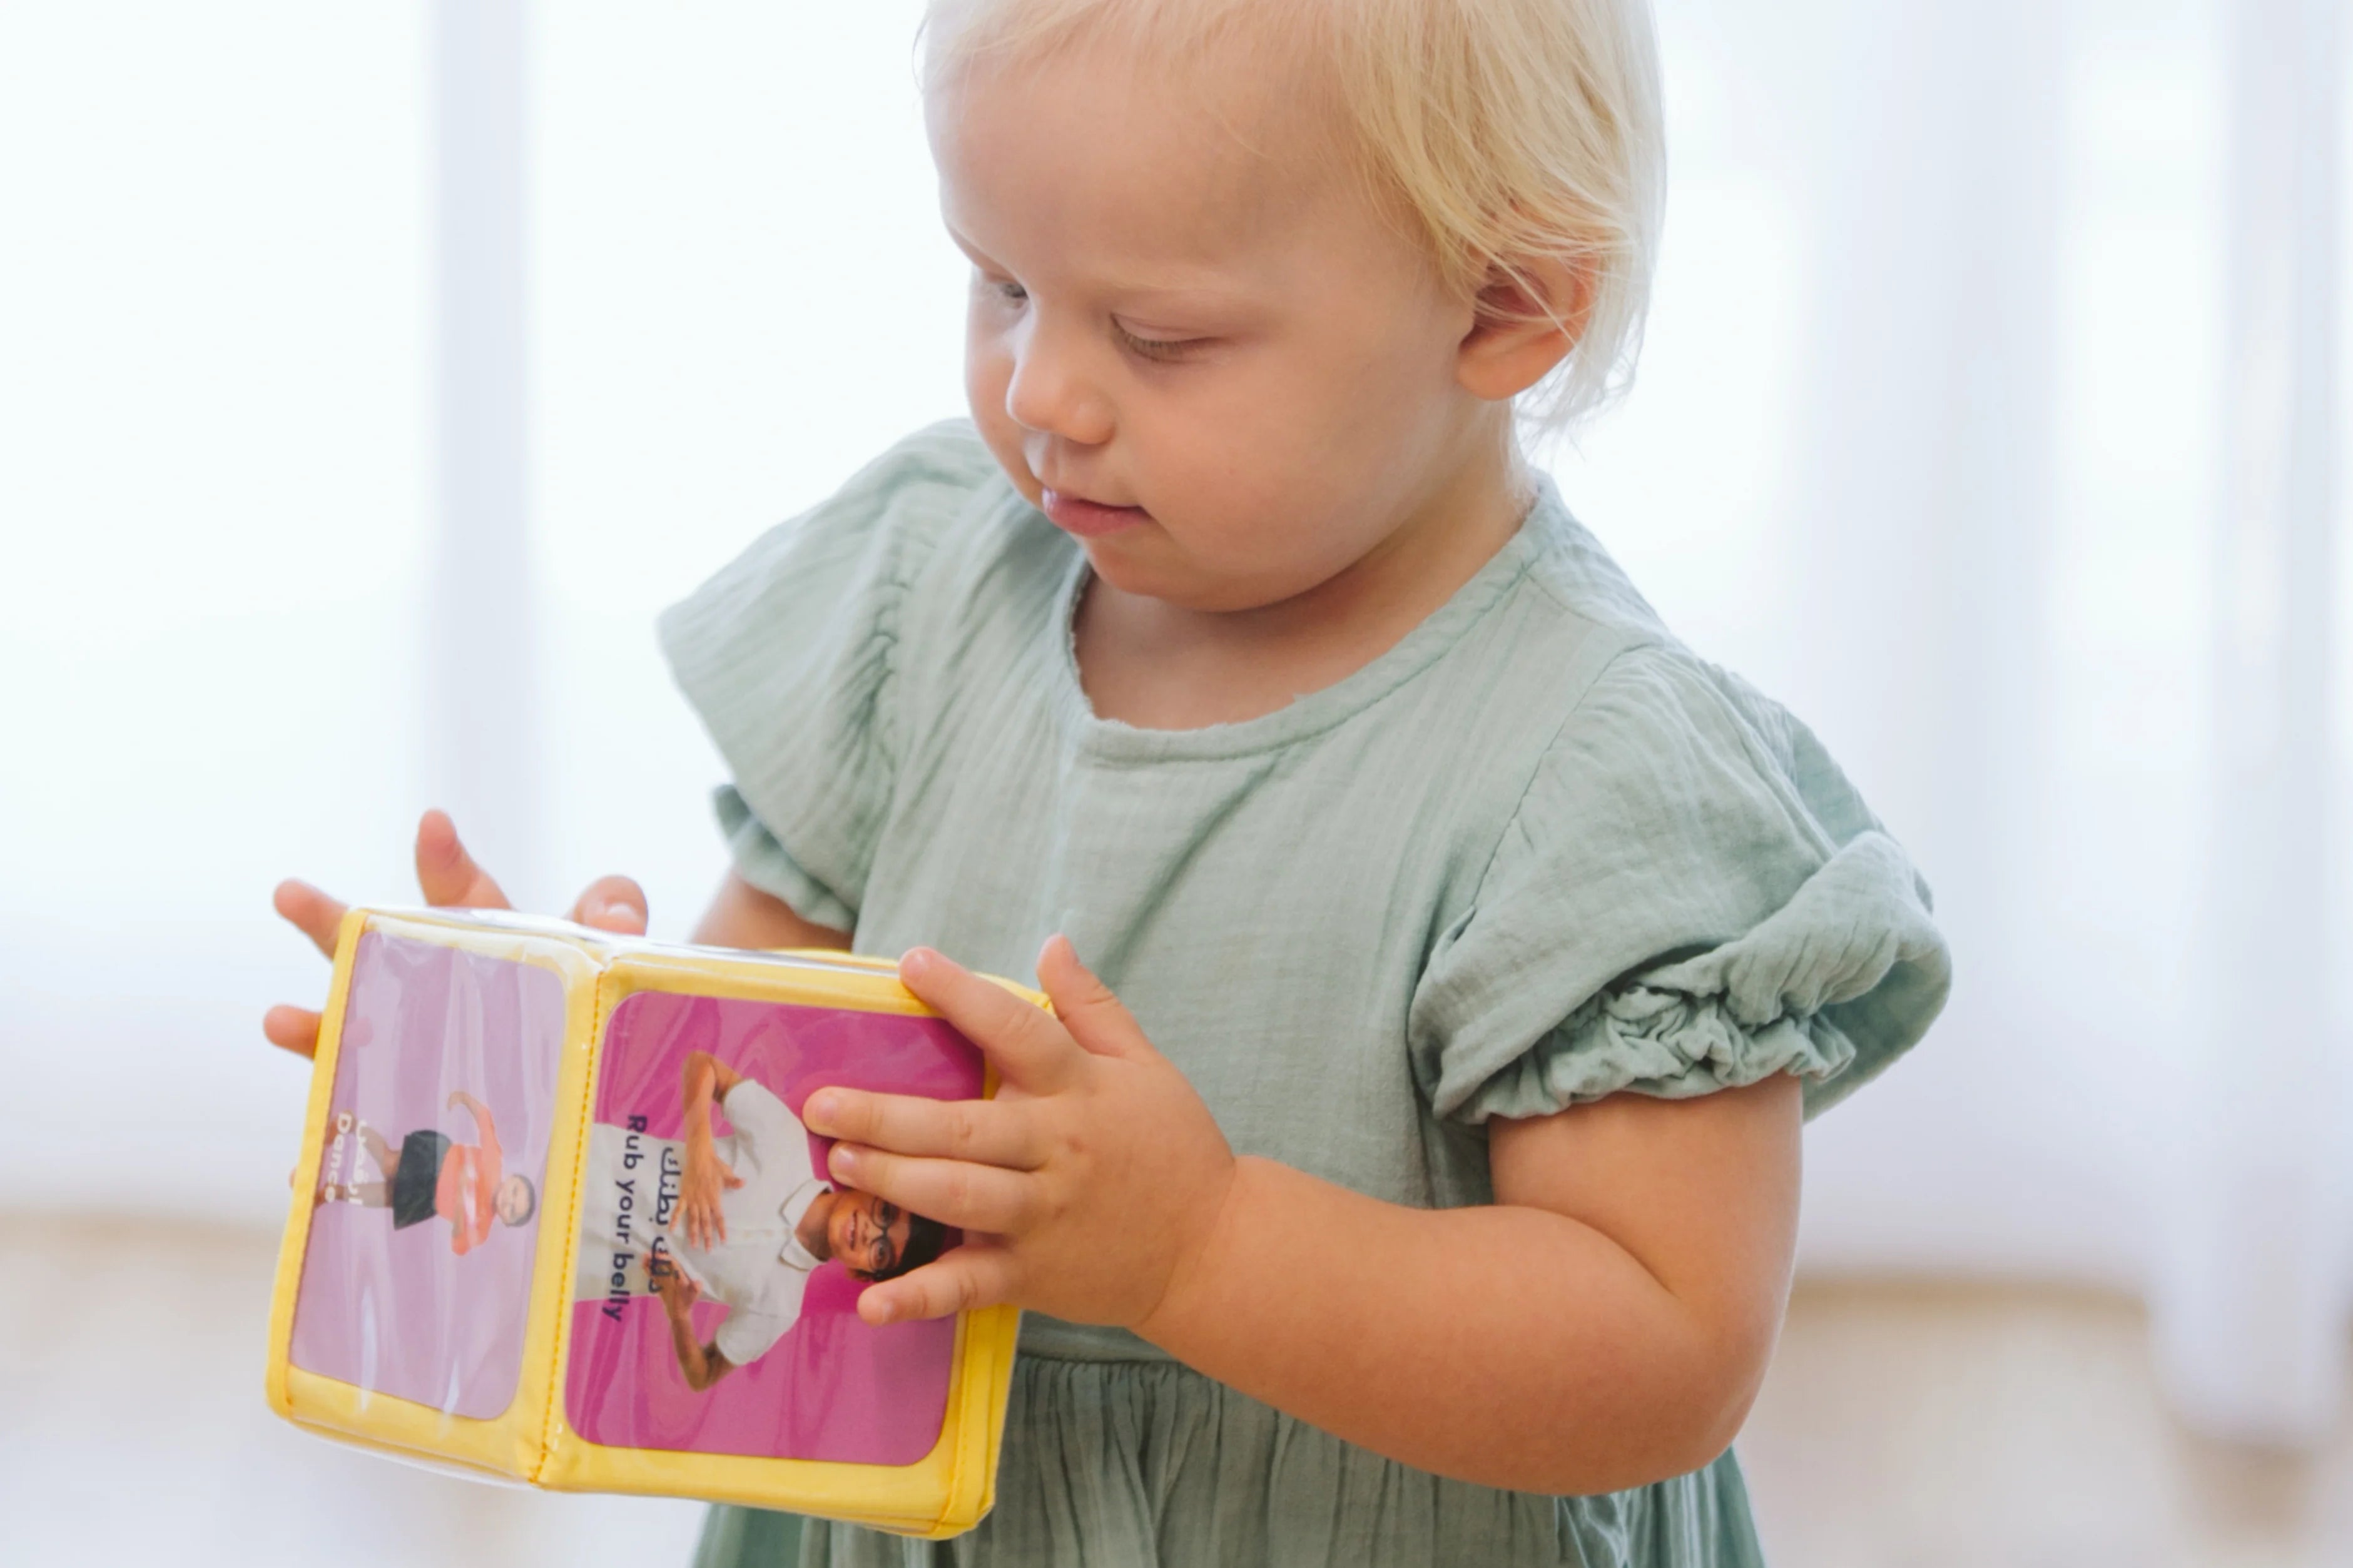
pixel 1159 666
pixel 811 1231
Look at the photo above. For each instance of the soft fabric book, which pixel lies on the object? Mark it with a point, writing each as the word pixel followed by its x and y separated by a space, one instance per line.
pixel 557 1221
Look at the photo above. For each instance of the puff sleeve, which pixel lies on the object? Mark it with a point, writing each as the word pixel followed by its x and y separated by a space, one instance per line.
pixel 791 653
pixel 1689 897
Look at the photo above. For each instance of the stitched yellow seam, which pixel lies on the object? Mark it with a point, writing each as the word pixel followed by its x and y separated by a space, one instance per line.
pixel 561 1352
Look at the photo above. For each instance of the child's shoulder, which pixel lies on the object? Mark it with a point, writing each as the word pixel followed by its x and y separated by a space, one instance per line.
pixel 1688 892
pixel 1612 685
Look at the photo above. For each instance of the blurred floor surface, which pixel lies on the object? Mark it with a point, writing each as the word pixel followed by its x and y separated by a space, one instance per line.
pixel 1902 1427
pixel 1933 1427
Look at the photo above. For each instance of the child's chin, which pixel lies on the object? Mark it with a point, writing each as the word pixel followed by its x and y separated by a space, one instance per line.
pixel 1136 568
pixel 1222 598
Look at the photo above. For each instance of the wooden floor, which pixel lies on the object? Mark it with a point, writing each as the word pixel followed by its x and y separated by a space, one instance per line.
pixel 1912 1426
pixel 1902 1427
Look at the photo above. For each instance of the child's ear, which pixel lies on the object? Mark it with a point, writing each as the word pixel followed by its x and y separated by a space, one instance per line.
pixel 1526 320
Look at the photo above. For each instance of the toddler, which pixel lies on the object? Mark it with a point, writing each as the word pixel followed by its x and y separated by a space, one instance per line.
pixel 1410 1173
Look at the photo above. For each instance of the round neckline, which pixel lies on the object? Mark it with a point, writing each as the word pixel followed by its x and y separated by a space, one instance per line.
pixel 1116 740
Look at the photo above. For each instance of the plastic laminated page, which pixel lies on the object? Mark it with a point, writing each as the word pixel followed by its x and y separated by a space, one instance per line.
pixel 557 1221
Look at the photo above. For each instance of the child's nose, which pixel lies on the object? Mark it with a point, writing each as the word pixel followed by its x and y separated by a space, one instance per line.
pixel 1051 392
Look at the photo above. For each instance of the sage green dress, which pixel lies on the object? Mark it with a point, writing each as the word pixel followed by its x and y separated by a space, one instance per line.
pixel 1534 854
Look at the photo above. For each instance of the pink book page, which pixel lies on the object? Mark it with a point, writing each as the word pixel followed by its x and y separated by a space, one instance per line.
pixel 832 1386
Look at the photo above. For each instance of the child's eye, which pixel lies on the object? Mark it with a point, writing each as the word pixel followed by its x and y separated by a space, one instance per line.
pixel 1155 348
pixel 1009 291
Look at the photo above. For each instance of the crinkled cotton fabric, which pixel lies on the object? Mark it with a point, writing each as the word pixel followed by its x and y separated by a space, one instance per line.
pixel 1535 854
pixel 1127 1463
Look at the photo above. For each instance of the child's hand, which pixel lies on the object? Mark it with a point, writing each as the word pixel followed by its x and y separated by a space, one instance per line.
pixel 707 1176
pixel 449 879
pixel 1085 1187
pixel 679 1294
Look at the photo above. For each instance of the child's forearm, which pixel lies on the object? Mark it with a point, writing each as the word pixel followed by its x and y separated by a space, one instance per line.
pixel 1509 1345
pixel 485 1129
pixel 696 1092
pixel 694 1357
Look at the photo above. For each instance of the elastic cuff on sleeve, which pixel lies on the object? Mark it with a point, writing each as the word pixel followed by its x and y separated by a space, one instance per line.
pixel 1666 1044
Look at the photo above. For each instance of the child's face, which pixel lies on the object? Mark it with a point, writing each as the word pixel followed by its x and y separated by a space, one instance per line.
pixel 1312 408
pixel 866 1234
pixel 513 1201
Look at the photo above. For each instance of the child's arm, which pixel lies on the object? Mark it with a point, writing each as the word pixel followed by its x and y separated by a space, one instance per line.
pixel 484 1128
pixel 700 1363
pixel 1603 1324
pixel 741 915
pixel 704 1081
pixel 1606 1324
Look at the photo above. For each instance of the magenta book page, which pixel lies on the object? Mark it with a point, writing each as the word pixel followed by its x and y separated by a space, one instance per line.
pixel 803 1376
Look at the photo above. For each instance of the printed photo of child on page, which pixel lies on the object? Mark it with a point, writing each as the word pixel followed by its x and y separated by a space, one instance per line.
pixel 431 1175
pixel 716 1267
pixel 424 1233
pixel 740 1219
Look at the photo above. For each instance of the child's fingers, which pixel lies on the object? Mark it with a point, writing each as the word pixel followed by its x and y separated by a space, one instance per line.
pixel 986 1131
pixel 447 874
pixel 293 1029
pixel 310 911
pixel 969 1196
pixel 1095 1017
pixel 1030 1047
pixel 614 904
pixel 977 1274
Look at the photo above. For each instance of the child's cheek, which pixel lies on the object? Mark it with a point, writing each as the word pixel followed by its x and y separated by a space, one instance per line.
pixel 1003 437
pixel 987 374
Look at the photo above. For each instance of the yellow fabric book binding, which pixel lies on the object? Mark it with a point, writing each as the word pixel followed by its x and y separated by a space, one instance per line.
pixel 557 1220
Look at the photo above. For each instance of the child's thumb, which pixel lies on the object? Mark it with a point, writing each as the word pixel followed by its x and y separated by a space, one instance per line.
pixel 1095 1017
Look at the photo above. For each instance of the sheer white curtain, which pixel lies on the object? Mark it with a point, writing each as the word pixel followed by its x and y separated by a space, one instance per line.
pixel 2252 1296
pixel 2048 558
pixel 212 460
pixel 1986 419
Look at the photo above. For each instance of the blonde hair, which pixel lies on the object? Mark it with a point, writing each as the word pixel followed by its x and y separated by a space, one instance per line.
pixel 1501 131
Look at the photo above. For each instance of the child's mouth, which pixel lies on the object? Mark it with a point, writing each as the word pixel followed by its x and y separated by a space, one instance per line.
pixel 1087 519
